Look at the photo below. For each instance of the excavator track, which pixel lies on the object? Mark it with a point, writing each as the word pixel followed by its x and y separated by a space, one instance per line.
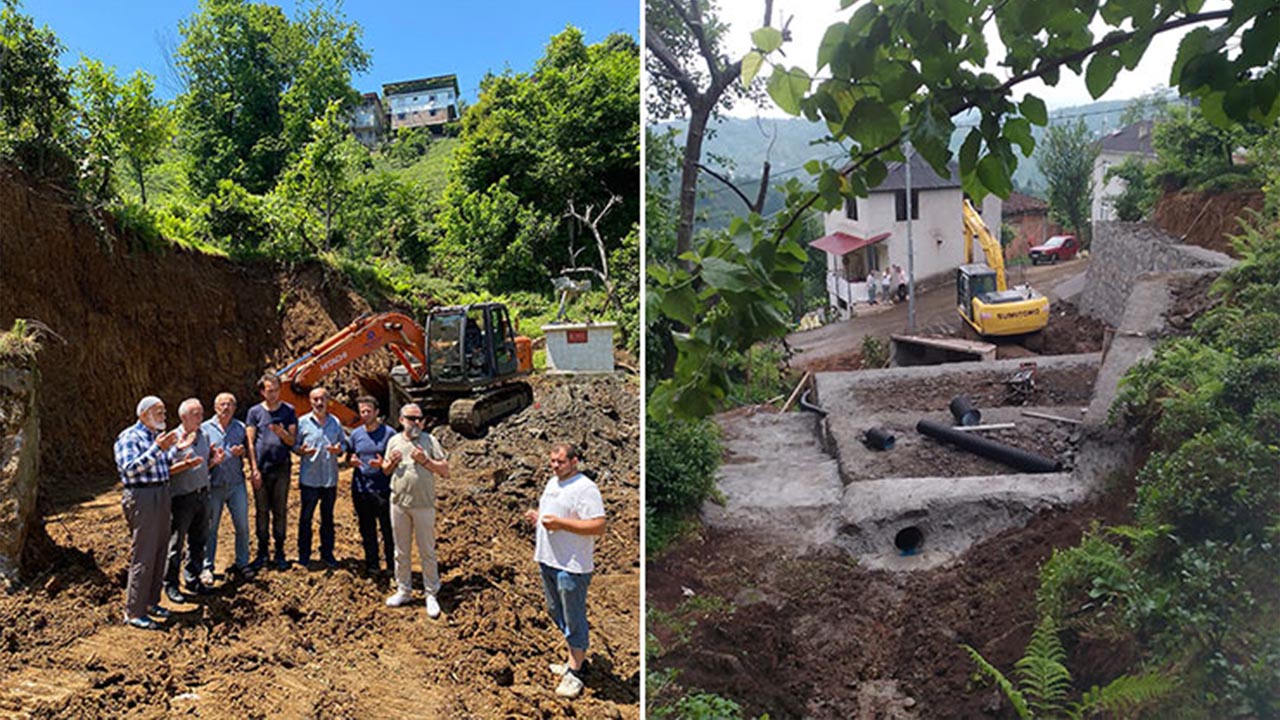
pixel 469 416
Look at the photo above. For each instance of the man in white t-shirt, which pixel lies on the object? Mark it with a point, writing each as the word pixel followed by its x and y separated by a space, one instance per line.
pixel 569 517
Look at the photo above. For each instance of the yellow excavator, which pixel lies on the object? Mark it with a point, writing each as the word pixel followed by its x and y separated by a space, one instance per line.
pixel 986 303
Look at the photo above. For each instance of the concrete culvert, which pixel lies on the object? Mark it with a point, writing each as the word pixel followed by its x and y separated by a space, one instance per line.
pixel 908 540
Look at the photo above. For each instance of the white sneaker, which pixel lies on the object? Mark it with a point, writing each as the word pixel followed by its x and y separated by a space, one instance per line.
pixel 400 598
pixel 570 686
pixel 433 607
pixel 558 669
pixel 206 577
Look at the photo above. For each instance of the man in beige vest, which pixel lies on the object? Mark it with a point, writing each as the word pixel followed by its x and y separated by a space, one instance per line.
pixel 413 461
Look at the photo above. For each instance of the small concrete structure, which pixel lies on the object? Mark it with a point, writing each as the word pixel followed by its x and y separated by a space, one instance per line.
pixel 909 350
pixel 580 347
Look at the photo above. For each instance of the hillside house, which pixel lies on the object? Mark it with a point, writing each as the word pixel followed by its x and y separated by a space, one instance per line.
pixel 1029 218
pixel 369 120
pixel 425 102
pixel 1130 141
pixel 871 233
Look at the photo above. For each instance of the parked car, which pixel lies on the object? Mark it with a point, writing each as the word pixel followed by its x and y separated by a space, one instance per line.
pixel 1058 247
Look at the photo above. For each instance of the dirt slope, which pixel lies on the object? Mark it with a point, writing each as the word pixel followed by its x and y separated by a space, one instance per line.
pixel 295 643
pixel 1206 219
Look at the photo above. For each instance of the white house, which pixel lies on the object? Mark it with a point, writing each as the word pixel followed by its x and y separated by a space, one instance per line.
pixel 1130 141
pixel 871 233
pixel 426 102
pixel 368 120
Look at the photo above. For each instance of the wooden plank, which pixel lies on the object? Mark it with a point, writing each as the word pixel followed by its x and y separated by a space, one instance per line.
pixel 786 407
pixel 979 428
pixel 1046 416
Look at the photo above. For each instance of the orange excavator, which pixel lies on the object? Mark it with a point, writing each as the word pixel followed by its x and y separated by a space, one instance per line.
pixel 465 366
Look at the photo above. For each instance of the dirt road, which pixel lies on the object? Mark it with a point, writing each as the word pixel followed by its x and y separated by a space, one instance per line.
pixel 314 644
pixel 935 314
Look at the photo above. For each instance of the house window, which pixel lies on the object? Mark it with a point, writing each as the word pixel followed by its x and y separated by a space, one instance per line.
pixel 431 98
pixel 851 208
pixel 900 204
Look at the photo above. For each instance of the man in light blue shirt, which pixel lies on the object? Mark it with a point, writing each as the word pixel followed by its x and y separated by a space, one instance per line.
pixel 321 442
pixel 227 486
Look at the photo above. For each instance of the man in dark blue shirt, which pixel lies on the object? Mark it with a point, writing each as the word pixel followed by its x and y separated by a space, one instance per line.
pixel 271 428
pixel 370 487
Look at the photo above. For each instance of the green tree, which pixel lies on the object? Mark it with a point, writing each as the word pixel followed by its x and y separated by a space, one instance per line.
pixel 322 177
pixel 124 123
pixel 1067 161
pixel 1191 150
pixel 254 82
pixel 1139 195
pixel 36 110
pixel 569 131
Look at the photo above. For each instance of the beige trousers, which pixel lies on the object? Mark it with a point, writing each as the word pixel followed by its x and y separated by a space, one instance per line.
pixel 415 525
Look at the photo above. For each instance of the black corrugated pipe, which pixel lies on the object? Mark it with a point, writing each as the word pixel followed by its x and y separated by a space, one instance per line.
pixel 964 411
pixel 1007 454
pixel 804 403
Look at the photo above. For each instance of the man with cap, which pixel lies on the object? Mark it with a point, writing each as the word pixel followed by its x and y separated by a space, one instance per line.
pixel 142 458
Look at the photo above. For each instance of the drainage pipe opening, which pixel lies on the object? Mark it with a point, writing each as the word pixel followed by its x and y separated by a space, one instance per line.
pixel 908 540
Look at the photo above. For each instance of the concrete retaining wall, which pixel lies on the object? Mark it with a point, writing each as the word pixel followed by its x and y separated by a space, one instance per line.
pixel 1124 251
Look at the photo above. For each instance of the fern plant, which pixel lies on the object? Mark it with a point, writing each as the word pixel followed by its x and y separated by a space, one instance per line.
pixel 1044 683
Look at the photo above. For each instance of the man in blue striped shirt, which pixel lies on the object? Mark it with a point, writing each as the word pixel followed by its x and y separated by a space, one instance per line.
pixel 142 458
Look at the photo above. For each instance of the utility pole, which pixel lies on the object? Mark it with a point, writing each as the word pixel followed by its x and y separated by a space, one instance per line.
pixel 911 251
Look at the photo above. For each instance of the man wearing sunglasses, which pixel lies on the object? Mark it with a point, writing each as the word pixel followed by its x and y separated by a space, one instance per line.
pixel 413 461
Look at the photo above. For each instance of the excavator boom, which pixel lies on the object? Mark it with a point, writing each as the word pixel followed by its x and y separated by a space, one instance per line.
pixel 975 228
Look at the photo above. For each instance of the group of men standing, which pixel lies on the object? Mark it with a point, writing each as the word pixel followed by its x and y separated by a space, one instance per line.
pixel 885 284
pixel 177 483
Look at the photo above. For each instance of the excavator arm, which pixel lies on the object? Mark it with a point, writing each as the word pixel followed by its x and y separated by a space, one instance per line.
pixel 366 334
pixel 974 227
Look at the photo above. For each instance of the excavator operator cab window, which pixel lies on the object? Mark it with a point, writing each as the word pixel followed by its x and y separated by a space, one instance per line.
pixel 477 353
pixel 444 341
pixel 504 344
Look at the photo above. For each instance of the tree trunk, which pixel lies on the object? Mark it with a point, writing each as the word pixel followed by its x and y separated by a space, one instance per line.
pixel 699 113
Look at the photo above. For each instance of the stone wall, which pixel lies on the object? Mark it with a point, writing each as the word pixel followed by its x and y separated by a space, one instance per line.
pixel 19 467
pixel 1124 251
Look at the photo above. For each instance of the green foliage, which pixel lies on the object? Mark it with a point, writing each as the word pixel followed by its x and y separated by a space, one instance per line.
pixel 124 123
pixel 531 144
pixel 1067 161
pixel 408 146
pixel 321 180
pixel 681 458
pixel 1095 572
pixel 254 82
pixel 36 110
pixel 1044 683
pixel 760 374
pixel 875 352
pixel 1191 150
pixel 18 345
pixel 700 706
pixel 1139 195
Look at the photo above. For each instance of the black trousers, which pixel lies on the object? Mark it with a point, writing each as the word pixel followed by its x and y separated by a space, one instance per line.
pixel 190 522
pixel 374 509
pixel 271 500
pixel 310 497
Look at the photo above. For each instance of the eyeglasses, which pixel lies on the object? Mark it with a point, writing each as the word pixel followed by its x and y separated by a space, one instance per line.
pixel 412 418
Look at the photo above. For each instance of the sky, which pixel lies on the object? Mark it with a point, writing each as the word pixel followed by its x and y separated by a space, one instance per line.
pixel 809 23
pixel 406 39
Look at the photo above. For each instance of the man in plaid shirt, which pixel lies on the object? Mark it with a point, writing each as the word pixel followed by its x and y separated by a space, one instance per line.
pixel 142 457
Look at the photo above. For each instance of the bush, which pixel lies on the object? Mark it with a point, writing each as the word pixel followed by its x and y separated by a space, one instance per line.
pixel 681 459
pixel 1220 485
pixel 1095 571
pixel 875 352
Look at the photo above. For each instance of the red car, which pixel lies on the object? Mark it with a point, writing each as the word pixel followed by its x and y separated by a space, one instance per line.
pixel 1058 247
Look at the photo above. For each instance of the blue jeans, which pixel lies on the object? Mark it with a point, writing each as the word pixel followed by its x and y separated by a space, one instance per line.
pixel 325 497
pixel 235 497
pixel 567 602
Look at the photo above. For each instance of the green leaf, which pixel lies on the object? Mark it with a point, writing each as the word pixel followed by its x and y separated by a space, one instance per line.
pixel 1033 109
pixel 767 39
pixel 969 151
pixel 681 304
pixel 874 172
pixel 750 66
pixel 862 19
pixel 872 123
pixel 1101 73
pixel 787 87
pixel 994 175
pixel 726 276
pixel 832 40
pixel 1018 130
pixel 813 167
pixel 829 188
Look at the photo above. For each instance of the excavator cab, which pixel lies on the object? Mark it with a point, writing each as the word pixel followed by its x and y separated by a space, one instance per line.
pixel 472 368
pixel 984 301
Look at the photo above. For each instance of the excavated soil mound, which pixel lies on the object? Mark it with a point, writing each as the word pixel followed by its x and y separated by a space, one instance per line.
pixel 836 640
pixel 1206 219
pixel 293 643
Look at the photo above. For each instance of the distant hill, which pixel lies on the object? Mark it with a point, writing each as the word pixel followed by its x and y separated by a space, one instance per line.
pixel 738 147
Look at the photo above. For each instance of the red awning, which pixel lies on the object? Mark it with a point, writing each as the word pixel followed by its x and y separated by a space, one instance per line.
pixel 843 243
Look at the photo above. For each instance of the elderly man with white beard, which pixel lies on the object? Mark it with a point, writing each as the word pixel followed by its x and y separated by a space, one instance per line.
pixel 142 458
